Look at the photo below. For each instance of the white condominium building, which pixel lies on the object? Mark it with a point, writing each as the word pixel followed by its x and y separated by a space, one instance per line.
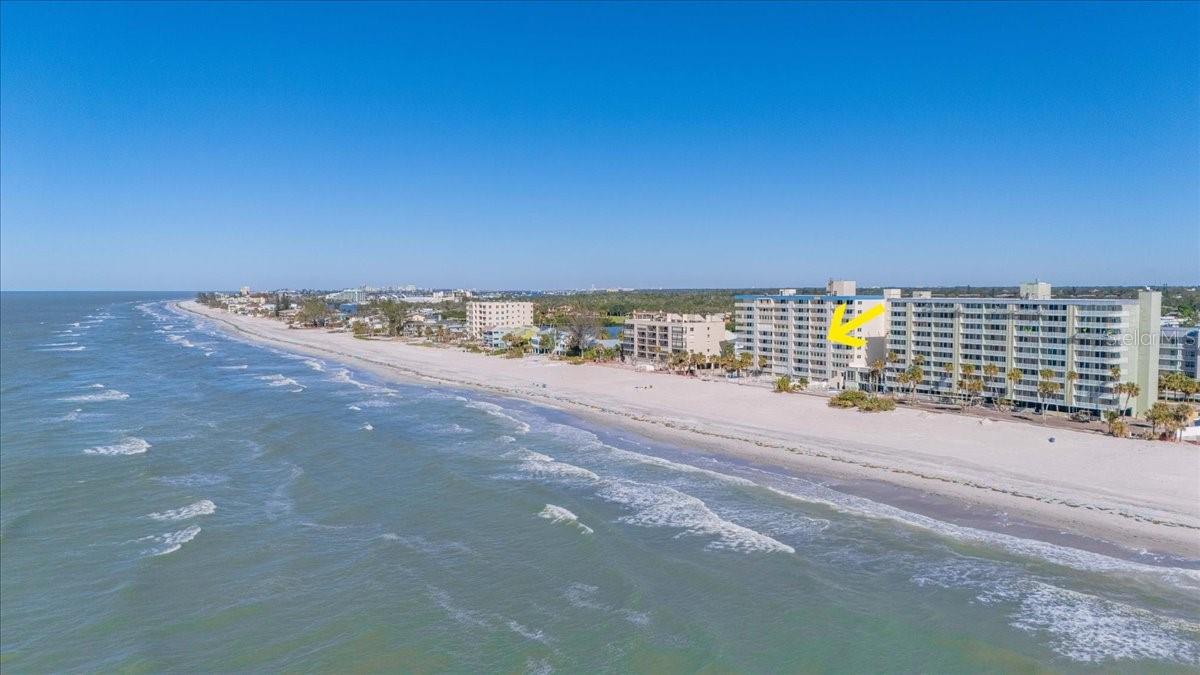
pixel 654 336
pixel 791 331
pixel 1085 337
pixel 482 316
pixel 1178 351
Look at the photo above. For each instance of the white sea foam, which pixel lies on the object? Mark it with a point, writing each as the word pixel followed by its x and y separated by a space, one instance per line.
pixel 58 344
pixel 78 348
pixel 96 386
pixel 584 596
pixel 557 514
pixel 527 633
pixel 203 507
pixel 498 411
pixel 72 416
pixel 1041 550
pixel 315 365
pixel 130 445
pixel 180 340
pixel 367 427
pixel 239 367
pixel 106 395
pixel 423 545
pixel 342 375
pixel 354 408
pixel 278 380
pixel 663 506
pixel 1079 626
pixel 544 466
pixel 173 541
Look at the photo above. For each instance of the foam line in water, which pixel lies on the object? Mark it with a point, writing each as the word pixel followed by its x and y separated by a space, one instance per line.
pixel 1063 555
pixel 557 514
pixel 278 380
pixel 663 506
pixel 498 411
pixel 203 507
pixel 173 541
pixel 106 395
pixel 127 446
pixel 1080 626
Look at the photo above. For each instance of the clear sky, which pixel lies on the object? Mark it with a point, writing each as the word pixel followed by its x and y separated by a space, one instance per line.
pixel 191 146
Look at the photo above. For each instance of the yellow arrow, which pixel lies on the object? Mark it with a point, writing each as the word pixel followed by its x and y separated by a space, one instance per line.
pixel 840 332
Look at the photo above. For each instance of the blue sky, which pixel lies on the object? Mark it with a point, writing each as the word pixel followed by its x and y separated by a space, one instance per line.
pixel 564 145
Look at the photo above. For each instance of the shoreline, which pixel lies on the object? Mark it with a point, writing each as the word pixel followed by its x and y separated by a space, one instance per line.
pixel 1138 496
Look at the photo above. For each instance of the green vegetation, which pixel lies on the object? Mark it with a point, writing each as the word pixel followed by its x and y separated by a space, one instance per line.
pixel 783 384
pixel 1178 385
pixel 854 398
pixel 1171 417
pixel 313 312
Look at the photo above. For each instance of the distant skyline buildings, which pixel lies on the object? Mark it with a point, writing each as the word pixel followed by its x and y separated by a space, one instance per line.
pixel 206 145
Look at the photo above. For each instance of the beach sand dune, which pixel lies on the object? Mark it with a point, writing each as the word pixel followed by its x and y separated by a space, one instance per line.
pixel 1139 494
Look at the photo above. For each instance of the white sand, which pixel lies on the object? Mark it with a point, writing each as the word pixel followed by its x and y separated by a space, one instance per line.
pixel 1139 494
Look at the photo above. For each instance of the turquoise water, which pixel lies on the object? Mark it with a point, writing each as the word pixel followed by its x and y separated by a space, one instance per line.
pixel 172 499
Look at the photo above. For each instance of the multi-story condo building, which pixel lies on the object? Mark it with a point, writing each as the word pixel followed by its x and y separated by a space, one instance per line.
pixel 485 316
pixel 791 331
pixel 1177 352
pixel 1085 337
pixel 654 336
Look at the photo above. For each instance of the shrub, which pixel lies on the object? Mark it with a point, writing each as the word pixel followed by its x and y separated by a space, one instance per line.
pixel 783 384
pixel 847 399
pixel 877 404
pixel 853 398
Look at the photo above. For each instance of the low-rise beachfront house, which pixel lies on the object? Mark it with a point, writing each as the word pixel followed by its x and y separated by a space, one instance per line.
pixel 789 332
pixel 1079 341
pixel 490 316
pixel 498 337
pixel 654 336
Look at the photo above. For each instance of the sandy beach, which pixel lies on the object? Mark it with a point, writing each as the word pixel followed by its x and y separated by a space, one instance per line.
pixel 1136 494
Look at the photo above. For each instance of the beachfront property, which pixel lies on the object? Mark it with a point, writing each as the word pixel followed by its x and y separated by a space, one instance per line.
pixel 1087 337
pixel 489 316
pixel 1177 351
pixel 654 336
pixel 790 331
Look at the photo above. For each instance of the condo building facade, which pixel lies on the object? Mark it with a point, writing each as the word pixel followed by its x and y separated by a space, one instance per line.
pixel 1178 351
pixel 1087 338
pixel 790 331
pixel 654 336
pixel 485 316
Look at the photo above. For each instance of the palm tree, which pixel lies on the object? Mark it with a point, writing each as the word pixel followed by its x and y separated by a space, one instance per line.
pixel 677 360
pixel 1071 377
pixel 1128 391
pixel 902 378
pixel 1114 376
pixel 916 374
pixel 1014 377
pixel 763 362
pixel 1116 425
pixel 948 374
pixel 1181 417
pixel 990 371
pixel 877 367
pixel 1046 387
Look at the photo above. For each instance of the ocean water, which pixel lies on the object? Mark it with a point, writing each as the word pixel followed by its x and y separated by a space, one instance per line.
pixel 174 499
